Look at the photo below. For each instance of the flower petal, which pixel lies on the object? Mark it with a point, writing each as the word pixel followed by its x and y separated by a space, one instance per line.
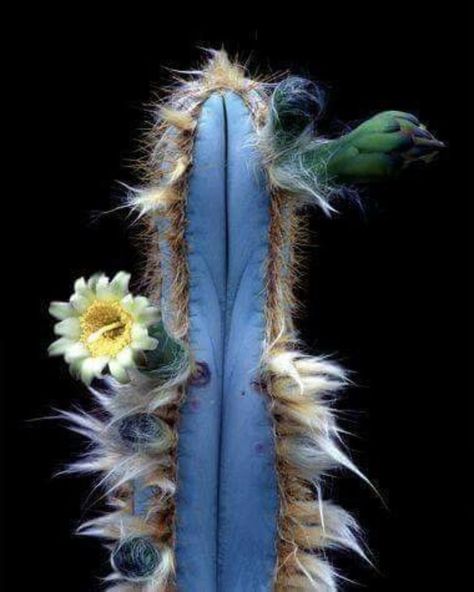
pixel 150 316
pixel 125 358
pixel 62 310
pixel 81 303
pixel 142 302
pixel 80 286
pixel 92 281
pixel 139 331
pixel 92 368
pixel 135 305
pixel 145 344
pixel 102 288
pixel 60 346
pixel 128 303
pixel 70 327
pixel 75 368
pixel 119 284
pixel 141 340
pixel 76 351
pixel 151 344
pixel 118 372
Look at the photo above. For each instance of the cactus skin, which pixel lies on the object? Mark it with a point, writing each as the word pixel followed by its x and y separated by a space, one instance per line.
pixel 227 492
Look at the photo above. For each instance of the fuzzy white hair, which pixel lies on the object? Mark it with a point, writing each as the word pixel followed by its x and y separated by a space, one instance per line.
pixel 119 467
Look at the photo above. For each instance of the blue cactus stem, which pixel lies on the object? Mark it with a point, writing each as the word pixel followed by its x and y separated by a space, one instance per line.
pixel 247 478
pixel 227 491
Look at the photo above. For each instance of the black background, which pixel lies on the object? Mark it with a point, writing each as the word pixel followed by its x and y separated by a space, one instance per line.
pixel 385 289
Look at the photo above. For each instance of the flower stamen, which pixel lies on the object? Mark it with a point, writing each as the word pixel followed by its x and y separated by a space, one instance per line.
pixel 106 328
pixel 95 336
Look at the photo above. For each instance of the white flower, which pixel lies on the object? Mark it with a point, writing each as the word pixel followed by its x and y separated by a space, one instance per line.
pixel 102 325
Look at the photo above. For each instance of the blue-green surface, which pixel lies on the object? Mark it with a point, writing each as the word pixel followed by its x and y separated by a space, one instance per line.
pixel 227 491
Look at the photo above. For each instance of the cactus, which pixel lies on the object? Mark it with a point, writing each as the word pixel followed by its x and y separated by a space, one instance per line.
pixel 216 448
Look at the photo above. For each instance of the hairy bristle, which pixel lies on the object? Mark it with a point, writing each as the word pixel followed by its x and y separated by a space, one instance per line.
pixel 180 119
pixel 120 466
pixel 222 73
pixel 152 201
pixel 302 390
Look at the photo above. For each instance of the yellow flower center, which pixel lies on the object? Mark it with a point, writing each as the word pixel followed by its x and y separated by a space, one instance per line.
pixel 106 328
